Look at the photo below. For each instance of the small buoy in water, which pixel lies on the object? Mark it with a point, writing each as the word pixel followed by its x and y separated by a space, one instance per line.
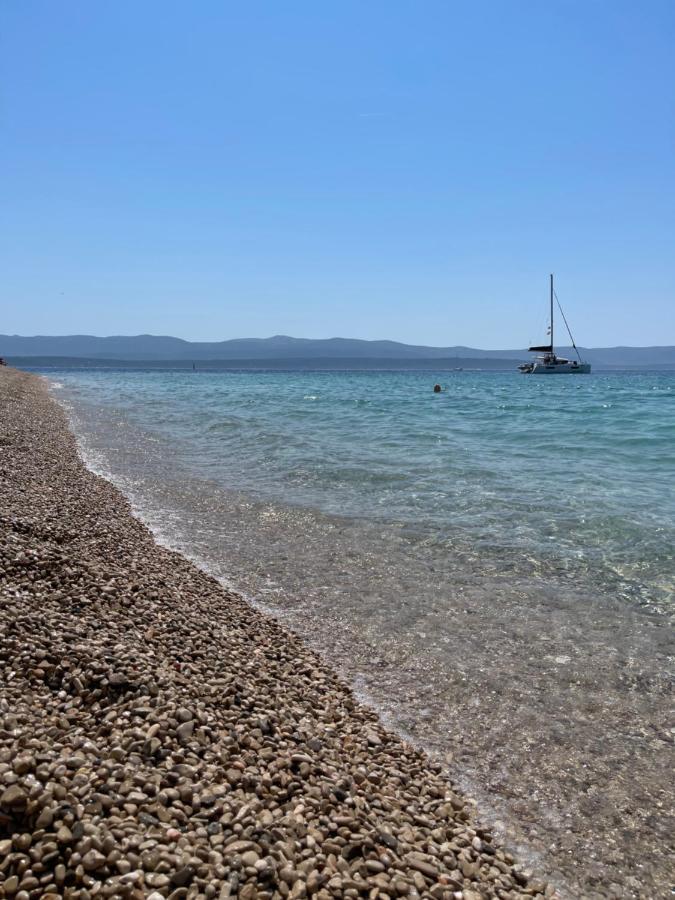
pixel 437 389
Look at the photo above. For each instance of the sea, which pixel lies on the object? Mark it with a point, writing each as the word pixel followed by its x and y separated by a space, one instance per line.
pixel 491 567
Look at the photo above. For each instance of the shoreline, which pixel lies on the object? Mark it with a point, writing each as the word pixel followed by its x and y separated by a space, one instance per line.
pixel 565 743
pixel 161 737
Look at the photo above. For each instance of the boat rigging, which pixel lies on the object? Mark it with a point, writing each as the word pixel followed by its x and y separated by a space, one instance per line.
pixel 548 363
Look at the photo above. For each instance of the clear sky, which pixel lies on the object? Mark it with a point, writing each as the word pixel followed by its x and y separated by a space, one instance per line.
pixel 404 169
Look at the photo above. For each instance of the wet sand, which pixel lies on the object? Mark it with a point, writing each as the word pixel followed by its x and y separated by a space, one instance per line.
pixel 161 738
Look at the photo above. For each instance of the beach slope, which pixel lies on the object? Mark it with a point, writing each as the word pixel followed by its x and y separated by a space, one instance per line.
pixel 159 737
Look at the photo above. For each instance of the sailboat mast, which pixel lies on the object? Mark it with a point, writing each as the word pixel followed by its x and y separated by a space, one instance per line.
pixel 551 312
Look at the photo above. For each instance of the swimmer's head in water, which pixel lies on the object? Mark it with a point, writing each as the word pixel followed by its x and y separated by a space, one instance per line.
pixel 437 389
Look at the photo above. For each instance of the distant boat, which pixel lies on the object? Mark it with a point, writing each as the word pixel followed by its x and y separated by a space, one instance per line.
pixel 550 364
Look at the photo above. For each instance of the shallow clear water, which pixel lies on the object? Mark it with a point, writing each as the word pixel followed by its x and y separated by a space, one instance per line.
pixel 492 566
pixel 572 475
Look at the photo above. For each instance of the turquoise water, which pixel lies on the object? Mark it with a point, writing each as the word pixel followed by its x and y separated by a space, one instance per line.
pixel 573 473
pixel 492 568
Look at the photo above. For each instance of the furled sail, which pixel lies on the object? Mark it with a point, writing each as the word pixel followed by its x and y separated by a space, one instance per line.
pixel 547 349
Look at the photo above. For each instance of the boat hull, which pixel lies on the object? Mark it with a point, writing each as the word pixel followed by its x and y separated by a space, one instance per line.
pixel 560 369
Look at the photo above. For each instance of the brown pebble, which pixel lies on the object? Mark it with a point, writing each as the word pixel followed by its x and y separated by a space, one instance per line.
pixel 160 737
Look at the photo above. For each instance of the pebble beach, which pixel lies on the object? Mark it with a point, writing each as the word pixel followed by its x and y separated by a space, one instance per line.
pixel 159 737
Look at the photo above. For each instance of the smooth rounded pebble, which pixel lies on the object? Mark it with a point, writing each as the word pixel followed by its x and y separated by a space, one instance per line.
pixel 161 738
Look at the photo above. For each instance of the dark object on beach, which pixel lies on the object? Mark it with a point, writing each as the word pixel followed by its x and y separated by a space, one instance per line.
pixel 2 361
pixel 437 389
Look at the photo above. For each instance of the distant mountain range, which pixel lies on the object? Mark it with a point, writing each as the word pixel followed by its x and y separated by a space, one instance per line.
pixel 152 348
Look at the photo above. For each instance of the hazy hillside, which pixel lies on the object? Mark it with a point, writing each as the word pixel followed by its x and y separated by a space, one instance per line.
pixel 146 346
pixel 281 347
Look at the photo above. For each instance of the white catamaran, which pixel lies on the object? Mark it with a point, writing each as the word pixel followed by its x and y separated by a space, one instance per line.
pixel 548 363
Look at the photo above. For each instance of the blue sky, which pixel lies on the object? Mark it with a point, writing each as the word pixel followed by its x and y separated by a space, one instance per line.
pixel 403 170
